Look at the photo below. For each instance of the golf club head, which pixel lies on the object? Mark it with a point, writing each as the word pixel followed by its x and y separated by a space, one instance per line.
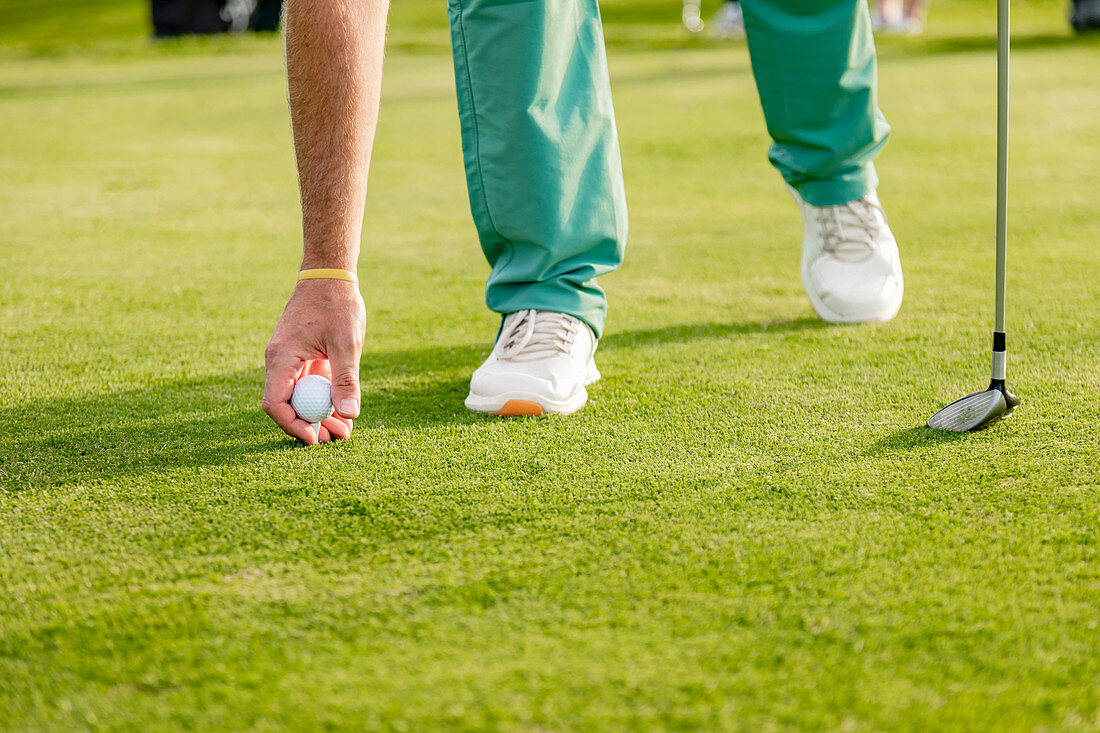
pixel 976 411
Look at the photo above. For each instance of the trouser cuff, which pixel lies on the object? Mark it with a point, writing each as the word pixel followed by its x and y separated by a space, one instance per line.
pixel 586 303
pixel 848 187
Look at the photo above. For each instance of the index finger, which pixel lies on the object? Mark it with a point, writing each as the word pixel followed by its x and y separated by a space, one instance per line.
pixel 321 367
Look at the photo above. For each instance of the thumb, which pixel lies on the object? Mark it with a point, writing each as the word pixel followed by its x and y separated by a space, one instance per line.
pixel 345 381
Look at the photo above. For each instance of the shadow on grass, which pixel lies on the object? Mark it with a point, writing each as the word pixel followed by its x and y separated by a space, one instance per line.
pixel 620 39
pixel 184 425
pixel 189 424
pixel 910 439
pixel 162 426
pixel 988 43
pixel 724 72
pixel 134 85
pixel 933 46
pixel 685 333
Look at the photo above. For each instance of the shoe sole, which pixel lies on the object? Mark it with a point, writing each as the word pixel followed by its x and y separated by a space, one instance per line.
pixel 825 314
pixel 525 404
pixel 520 408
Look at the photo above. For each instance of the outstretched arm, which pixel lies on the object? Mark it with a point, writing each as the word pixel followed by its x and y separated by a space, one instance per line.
pixel 334 77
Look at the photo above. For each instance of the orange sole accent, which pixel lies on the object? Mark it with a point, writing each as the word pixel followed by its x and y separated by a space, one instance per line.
pixel 517 408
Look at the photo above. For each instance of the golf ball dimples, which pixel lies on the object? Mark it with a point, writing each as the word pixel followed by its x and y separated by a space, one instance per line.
pixel 312 398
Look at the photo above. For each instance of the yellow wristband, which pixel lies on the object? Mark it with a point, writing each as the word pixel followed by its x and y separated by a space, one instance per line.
pixel 328 273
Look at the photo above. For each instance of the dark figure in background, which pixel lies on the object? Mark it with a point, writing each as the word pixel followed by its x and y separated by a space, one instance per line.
pixel 1086 15
pixel 266 16
pixel 182 17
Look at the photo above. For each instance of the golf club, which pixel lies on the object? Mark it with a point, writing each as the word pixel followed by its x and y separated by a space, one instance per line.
pixel 978 410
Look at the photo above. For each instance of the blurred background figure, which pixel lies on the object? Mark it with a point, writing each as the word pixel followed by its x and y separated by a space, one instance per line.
pixel 266 15
pixel 899 16
pixel 692 16
pixel 729 22
pixel 180 17
pixel 1086 16
pixel 183 17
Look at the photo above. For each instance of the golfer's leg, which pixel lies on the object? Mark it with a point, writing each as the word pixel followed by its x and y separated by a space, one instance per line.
pixel 814 63
pixel 541 152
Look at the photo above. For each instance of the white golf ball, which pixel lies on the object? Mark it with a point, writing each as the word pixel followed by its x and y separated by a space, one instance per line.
pixel 312 398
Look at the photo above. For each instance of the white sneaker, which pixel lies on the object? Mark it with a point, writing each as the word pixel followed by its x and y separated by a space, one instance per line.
pixel 541 364
pixel 850 263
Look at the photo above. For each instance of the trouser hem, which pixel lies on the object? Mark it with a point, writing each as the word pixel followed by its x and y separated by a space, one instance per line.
pixel 837 190
pixel 590 307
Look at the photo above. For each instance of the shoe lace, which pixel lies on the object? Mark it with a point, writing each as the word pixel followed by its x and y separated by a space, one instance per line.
pixel 848 230
pixel 533 334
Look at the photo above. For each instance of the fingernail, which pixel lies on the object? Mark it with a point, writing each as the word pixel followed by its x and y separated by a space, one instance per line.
pixel 349 406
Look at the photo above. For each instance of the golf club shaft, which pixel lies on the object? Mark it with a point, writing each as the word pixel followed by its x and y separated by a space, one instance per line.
pixel 1002 159
pixel 1003 41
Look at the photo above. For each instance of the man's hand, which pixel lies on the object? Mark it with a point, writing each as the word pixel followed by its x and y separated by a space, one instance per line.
pixel 334 79
pixel 320 332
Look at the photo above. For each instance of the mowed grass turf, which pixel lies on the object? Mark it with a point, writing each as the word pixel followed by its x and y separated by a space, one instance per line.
pixel 747 528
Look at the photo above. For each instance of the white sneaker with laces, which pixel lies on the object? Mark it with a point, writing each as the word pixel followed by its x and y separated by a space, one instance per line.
pixel 850 263
pixel 541 364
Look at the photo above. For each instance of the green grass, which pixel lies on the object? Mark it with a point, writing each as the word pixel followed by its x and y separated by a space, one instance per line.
pixel 746 529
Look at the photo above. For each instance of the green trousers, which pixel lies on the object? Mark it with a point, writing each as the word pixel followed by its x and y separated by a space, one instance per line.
pixel 542 155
